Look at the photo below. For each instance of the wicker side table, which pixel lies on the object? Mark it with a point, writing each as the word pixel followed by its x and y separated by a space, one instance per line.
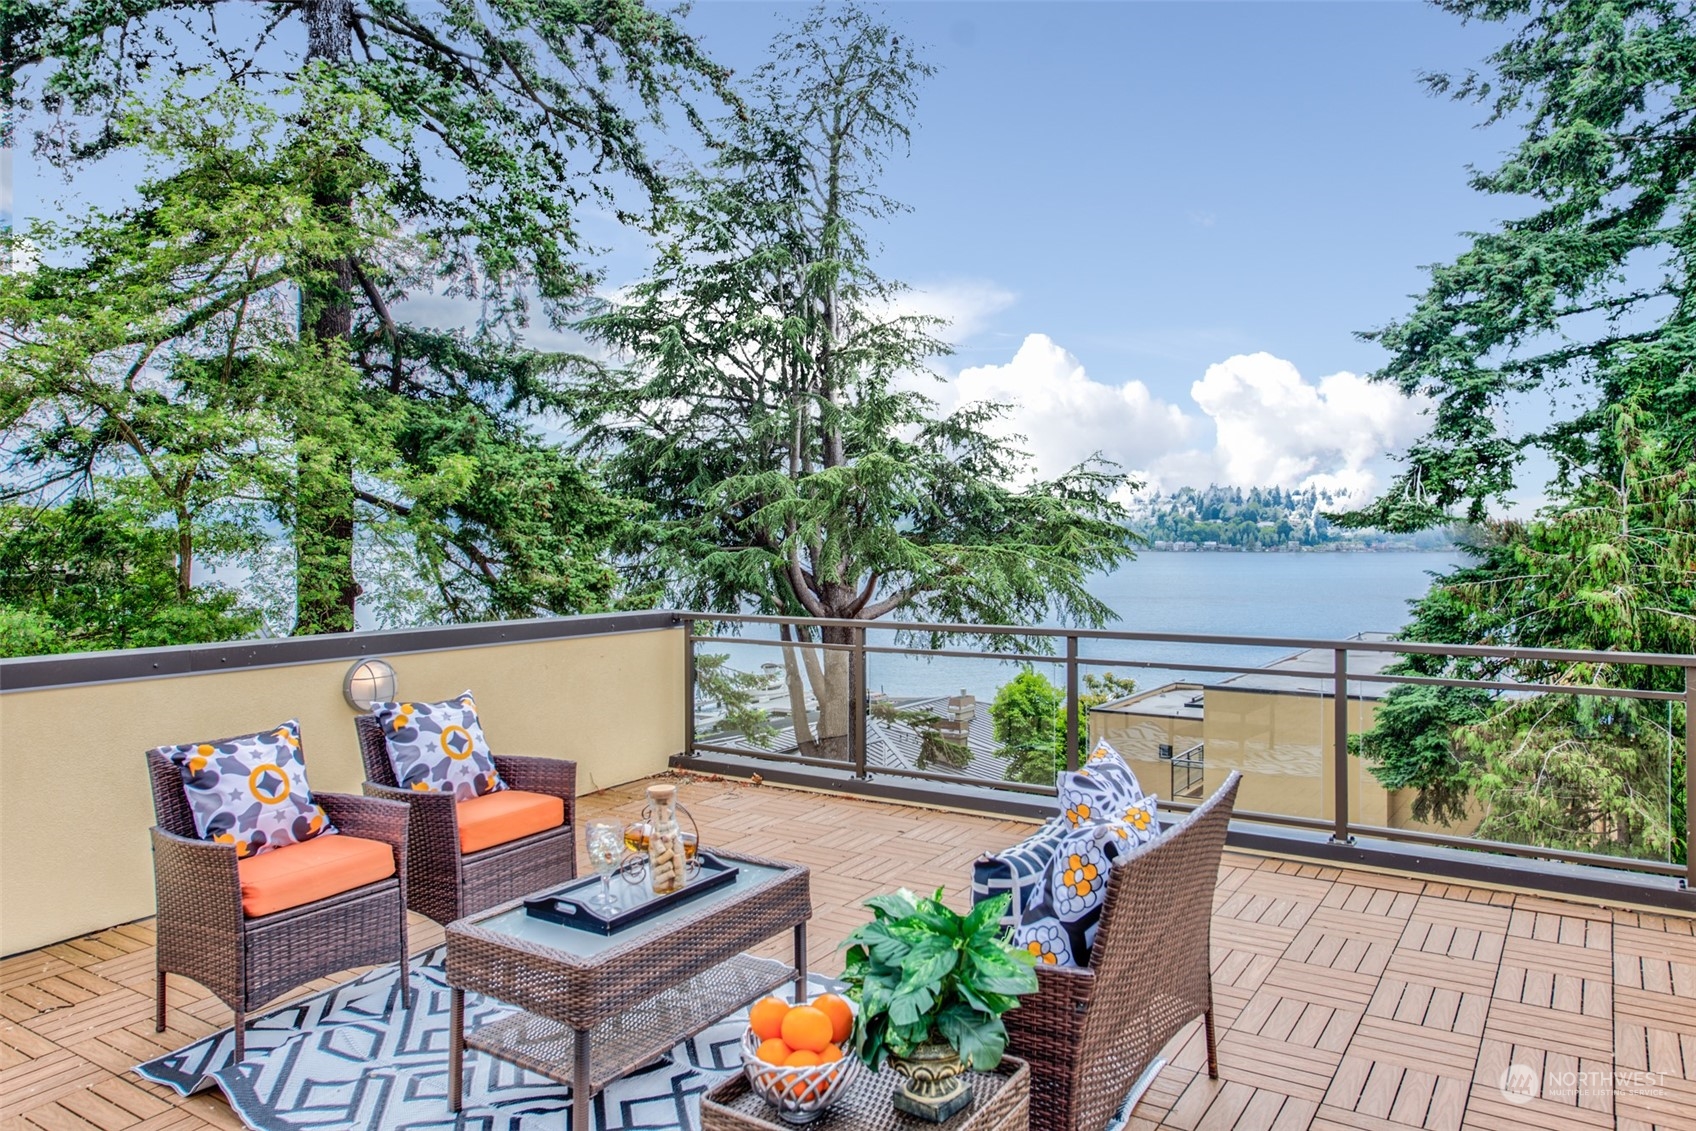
pixel 1001 1101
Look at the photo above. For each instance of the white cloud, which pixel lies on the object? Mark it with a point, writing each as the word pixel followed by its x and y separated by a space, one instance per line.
pixel 1253 421
pixel 1065 415
pixel 1272 427
pixel 967 305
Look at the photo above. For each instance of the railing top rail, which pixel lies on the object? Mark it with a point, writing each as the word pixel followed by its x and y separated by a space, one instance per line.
pixel 1404 647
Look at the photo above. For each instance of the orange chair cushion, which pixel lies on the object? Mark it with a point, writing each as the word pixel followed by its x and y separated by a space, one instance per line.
pixel 496 818
pixel 312 870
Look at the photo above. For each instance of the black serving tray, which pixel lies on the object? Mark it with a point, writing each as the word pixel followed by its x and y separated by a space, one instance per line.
pixel 572 906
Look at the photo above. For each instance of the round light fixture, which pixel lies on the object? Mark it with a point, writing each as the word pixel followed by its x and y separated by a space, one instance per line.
pixel 368 683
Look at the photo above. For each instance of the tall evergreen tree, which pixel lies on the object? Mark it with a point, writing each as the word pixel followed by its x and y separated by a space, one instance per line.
pixel 769 416
pixel 1579 317
pixel 479 132
pixel 1583 303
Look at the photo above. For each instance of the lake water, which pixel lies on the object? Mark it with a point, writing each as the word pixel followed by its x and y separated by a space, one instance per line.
pixel 1328 596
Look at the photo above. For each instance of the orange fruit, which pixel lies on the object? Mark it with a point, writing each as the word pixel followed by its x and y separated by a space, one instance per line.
pixel 841 1016
pixel 802 1058
pixel 766 1018
pixel 831 1054
pixel 807 1029
pixel 773 1051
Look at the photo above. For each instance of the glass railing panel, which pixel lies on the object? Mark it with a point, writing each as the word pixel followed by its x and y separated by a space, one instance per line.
pixel 1543 768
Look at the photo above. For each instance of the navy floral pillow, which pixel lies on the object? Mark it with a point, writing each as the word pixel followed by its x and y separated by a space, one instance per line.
pixel 1103 789
pixel 439 747
pixel 250 791
pixel 1105 816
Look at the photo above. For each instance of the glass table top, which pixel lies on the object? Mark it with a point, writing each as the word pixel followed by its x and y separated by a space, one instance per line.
pixel 520 924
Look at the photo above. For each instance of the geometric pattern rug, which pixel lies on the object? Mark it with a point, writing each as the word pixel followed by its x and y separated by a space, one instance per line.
pixel 349 1059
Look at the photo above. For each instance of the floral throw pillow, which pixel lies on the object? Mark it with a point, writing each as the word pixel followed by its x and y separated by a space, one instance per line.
pixel 1104 788
pixel 1105 816
pixel 250 791
pixel 439 747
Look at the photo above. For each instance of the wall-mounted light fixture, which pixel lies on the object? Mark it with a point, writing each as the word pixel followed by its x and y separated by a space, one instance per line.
pixel 368 683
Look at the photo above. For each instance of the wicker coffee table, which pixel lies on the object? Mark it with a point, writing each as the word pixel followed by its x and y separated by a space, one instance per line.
pixel 593 1007
pixel 1001 1101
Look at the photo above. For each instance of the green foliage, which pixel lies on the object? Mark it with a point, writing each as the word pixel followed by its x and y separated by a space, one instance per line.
pixel 1612 568
pixel 1259 518
pixel 1581 305
pixel 736 693
pixel 489 128
pixel 160 346
pixel 1585 299
pixel 1024 713
pixel 1417 741
pixel 921 972
pixel 1024 710
pixel 766 413
pixel 296 201
pixel 95 575
pixel 1030 721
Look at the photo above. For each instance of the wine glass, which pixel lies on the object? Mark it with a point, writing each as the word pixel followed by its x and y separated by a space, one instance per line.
pixel 605 843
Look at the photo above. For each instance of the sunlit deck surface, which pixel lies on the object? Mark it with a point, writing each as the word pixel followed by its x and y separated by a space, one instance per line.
pixel 1347 999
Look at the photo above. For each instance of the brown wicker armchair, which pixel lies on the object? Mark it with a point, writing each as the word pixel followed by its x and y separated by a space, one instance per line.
pixel 445 883
pixel 1089 1032
pixel 203 933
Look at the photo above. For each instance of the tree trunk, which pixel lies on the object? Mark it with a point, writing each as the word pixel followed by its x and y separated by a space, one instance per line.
pixel 792 675
pixel 828 676
pixel 326 591
pixel 185 553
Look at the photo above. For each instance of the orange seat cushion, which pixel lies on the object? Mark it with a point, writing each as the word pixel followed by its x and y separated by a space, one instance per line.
pixel 496 818
pixel 315 869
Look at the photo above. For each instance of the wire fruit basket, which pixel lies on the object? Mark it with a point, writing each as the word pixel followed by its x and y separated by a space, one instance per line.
pixel 801 1094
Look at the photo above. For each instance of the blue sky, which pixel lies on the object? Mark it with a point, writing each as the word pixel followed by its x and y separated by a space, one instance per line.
pixel 1158 225
pixel 1158 182
pixel 1157 188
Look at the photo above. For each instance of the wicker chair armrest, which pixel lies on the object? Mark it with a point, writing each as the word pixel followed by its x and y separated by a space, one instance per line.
pixel 1062 998
pixel 554 776
pixel 373 818
pixel 196 882
pixel 434 861
pixel 404 796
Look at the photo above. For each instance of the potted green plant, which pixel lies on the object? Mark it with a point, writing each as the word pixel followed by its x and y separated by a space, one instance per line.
pixel 932 986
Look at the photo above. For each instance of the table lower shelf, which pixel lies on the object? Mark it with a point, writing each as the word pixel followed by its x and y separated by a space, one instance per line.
pixel 638 1035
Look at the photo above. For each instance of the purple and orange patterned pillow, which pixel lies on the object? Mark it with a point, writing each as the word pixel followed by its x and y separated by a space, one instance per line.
pixel 250 791
pixel 439 747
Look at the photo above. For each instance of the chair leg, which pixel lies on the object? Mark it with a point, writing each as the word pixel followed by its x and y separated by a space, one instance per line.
pixel 241 1036
pixel 159 1001
pixel 1212 1046
pixel 405 973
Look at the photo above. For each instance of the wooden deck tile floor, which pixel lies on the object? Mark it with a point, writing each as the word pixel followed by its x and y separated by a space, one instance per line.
pixel 1346 999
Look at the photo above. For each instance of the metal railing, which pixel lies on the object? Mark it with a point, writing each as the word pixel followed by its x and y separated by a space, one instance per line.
pixel 1072 657
pixel 1189 774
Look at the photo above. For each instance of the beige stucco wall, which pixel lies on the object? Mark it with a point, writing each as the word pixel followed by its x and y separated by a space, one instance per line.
pixel 75 806
pixel 1280 742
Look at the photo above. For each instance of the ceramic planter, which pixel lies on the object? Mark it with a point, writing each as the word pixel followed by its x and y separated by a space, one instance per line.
pixel 934 1085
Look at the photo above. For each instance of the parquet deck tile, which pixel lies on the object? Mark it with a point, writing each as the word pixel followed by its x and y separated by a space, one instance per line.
pixel 1346 1000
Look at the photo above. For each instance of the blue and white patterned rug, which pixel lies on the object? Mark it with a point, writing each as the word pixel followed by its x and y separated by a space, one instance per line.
pixel 351 1060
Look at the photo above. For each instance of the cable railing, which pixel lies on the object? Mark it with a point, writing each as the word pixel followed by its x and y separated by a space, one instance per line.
pixel 838 723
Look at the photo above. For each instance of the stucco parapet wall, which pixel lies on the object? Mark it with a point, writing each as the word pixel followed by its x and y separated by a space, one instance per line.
pixel 606 692
pixel 72 669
